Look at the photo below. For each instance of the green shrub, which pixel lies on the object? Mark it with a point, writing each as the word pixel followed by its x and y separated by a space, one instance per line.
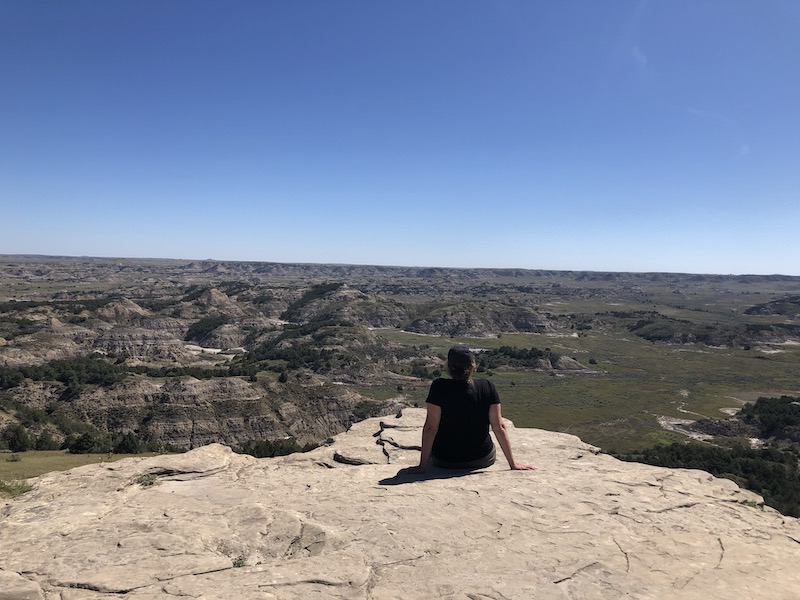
pixel 10 377
pixel 75 372
pixel 366 409
pixel 17 438
pixel 271 448
pixel 14 488
pixel 316 291
pixel 147 479
pixel 90 442
pixel 775 417
pixel 240 561
pixel 200 329
pixel 45 441
pixel 128 444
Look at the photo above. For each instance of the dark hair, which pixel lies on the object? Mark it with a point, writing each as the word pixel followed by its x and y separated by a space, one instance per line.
pixel 460 363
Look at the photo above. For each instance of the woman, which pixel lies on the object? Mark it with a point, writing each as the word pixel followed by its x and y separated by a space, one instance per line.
pixel 460 411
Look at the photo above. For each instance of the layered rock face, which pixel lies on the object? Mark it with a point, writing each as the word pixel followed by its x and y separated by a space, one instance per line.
pixel 188 412
pixel 337 523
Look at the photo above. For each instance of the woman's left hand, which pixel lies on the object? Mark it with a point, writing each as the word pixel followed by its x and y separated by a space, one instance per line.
pixel 522 467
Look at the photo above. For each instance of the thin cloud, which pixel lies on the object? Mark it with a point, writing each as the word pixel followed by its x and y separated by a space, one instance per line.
pixel 726 124
pixel 638 56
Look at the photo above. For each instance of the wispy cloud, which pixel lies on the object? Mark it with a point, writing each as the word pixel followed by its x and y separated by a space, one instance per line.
pixel 713 115
pixel 726 124
pixel 639 56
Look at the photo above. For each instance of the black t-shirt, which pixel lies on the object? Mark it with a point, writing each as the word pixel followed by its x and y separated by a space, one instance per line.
pixel 464 427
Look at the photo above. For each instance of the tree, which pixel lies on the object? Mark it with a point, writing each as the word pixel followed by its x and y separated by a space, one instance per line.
pixel 89 442
pixel 17 438
pixel 45 441
pixel 128 444
pixel 10 378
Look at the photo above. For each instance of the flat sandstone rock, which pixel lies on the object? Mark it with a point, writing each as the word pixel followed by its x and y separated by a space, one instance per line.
pixel 336 523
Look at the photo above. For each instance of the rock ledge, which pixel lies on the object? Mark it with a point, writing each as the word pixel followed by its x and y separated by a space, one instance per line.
pixel 335 523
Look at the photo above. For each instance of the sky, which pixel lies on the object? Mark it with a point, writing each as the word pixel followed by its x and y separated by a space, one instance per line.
pixel 623 135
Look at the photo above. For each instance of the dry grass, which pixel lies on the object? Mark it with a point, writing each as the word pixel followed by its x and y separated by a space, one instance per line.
pixel 38 462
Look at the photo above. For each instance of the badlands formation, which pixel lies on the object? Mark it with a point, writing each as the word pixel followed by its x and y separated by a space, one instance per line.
pixel 336 523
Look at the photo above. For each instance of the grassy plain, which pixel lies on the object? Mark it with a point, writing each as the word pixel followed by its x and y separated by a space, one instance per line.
pixel 634 381
pixel 37 462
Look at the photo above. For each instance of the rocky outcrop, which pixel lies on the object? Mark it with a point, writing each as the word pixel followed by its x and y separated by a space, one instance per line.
pixel 337 523
pixel 480 320
pixel 789 307
pixel 187 412
pixel 124 311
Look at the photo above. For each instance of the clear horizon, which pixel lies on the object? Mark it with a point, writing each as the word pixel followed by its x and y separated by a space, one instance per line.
pixel 397 266
pixel 638 136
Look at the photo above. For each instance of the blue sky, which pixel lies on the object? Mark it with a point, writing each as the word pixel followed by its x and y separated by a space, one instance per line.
pixel 608 136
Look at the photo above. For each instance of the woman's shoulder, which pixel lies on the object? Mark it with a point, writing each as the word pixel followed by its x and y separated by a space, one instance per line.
pixel 444 384
pixel 440 390
pixel 440 384
pixel 486 389
pixel 486 384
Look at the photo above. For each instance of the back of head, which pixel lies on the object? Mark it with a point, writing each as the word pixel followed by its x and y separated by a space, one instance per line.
pixel 460 363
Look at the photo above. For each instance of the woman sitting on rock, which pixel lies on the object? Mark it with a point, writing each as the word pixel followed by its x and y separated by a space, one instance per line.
pixel 460 411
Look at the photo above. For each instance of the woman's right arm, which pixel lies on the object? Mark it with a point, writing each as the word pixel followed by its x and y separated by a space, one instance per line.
pixel 429 431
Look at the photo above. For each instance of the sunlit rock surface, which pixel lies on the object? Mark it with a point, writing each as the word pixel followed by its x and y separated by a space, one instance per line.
pixel 335 523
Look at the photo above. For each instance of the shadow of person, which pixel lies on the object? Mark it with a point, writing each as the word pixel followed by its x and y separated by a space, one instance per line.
pixel 431 473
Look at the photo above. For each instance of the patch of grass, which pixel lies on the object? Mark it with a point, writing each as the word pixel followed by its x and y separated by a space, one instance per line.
pixel 608 411
pixel 12 489
pixel 37 462
pixel 239 561
pixel 147 479
pixel 635 381
pixel 662 437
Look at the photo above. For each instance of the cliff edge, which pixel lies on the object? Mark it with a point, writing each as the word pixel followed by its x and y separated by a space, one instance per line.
pixel 336 523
